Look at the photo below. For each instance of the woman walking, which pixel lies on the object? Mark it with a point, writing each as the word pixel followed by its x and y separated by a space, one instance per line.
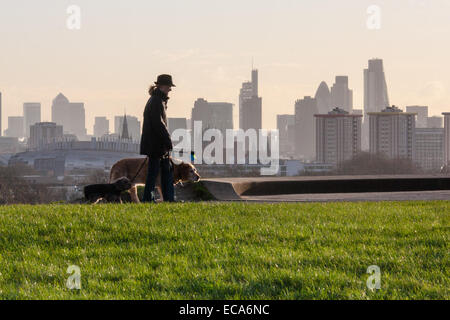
pixel 155 140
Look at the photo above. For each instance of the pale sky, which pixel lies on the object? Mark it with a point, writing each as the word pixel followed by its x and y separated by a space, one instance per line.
pixel 208 45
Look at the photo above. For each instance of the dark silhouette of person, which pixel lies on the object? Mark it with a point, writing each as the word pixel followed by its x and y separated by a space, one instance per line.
pixel 155 140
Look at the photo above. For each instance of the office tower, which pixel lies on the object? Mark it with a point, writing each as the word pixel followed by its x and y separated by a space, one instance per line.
pixel 15 127
pixel 134 127
pixel 71 115
pixel 250 105
pixel 375 95
pixel 392 133
pixel 1 114
pixel 305 109
pixel 422 115
pixel 323 98
pixel 429 148
pixel 338 136
pixel 283 123
pixel 31 115
pixel 434 122
pixel 214 115
pixel 101 126
pixel 42 133
pixel 341 95
pixel 358 111
pixel 176 123
pixel 446 137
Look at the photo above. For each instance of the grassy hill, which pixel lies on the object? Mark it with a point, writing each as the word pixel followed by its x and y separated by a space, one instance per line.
pixel 226 250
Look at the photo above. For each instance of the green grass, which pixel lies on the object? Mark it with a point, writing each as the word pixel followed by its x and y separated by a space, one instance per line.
pixel 226 250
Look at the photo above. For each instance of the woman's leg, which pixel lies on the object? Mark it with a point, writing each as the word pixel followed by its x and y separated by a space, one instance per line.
pixel 152 173
pixel 167 180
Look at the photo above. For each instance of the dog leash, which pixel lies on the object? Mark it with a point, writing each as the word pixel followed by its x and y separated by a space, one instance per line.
pixel 142 165
pixel 168 156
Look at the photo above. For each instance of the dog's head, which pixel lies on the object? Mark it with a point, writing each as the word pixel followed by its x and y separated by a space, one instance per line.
pixel 122 184
pixel 185 172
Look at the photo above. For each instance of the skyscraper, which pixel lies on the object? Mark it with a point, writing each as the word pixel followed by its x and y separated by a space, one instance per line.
pixel 250 105
pixel 31 115
pixel 323 98
pixel 101 126
pixel 176 123
pixel 341 95
pixel 305 128
pixel 338 136
pixel 71 115
pixel 42 133
pixel 375 95
pixel 429 148
pixel 422 115
pixel 15 127
pixel 392 132
pixel 214 115
pixel 434 122
pixel 283 123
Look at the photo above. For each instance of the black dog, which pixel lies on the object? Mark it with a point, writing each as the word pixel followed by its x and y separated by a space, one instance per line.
pixel 109 192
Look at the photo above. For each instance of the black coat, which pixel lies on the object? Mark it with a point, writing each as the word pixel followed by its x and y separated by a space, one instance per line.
pixel 155 139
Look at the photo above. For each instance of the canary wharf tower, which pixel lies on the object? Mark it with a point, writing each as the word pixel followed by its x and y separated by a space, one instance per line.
pixel 375 95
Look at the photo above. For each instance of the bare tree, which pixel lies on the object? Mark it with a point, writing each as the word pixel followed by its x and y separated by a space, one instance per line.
pixel 367 163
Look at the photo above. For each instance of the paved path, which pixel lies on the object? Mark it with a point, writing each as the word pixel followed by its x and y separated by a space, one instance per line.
pixel 365 196
pixel 331 188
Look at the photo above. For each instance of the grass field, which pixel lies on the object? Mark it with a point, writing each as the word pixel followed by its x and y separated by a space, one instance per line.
pixel 226 250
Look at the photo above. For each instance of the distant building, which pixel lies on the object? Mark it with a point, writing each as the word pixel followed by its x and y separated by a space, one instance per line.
pixel 305 128
pixel 446 137
pixel 375 95
pixel 101 126
pixel 283 123
pixel 429 148
pixel 250 105
pixel 422 115
pixel 323 98
pixel 435 122
pixel 341 95
pixel 54 166
pixel 9 145
pixel 338 136
pixel 71 115
pixel 392 132
pixel 134 127
pixel 31 115
pixel 15 127
pixel 176 123
pixel 79 155
pixel 43 133
pixel 214 115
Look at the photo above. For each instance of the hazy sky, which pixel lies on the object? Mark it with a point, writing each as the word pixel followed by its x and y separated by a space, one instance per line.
pixel 208 45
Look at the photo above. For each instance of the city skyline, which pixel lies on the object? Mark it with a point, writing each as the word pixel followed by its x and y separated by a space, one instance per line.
pixel 109 65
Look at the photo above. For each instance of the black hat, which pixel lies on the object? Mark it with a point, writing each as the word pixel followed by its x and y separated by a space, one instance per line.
pixel 165 80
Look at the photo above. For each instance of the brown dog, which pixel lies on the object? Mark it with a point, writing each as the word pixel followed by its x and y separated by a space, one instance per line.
pixel 182 172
